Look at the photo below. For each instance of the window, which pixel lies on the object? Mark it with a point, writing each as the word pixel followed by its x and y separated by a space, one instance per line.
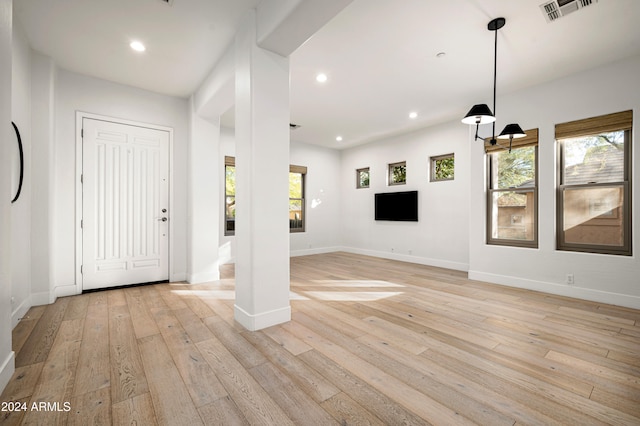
pixel 512 205
pixel 296 198
pixel 362 178
pixel 229 195
pixel 594 176
pixel 442 167
pixel 398 173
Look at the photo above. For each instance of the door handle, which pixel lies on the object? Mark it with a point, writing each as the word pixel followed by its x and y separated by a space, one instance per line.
pixel 162 219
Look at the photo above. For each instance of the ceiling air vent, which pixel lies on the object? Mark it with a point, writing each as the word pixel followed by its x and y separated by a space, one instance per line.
pixel 556 9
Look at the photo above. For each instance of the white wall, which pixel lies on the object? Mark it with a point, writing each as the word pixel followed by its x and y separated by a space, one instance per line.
pixel 7 364
pixel 21 209
pixel 605 278
pixel 440 237
pixel 322 198
pixel 322 194
pixel 75 92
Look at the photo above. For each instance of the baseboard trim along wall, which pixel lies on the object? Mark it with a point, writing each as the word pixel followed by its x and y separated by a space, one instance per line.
pixel 19 312
pixel 573 291
pixel 263 320
pixel 438 263
pixel 203 277
pixel 308 252
pixel 7 369
pixel 42 298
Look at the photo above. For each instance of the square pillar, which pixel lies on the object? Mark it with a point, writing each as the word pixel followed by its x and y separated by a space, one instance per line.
pixel 262 182
pixel 204 196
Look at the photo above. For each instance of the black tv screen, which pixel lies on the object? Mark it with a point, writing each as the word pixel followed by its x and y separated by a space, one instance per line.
pixel 397 206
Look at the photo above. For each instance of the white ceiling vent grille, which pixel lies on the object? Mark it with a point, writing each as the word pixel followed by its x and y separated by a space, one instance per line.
pixel 556 9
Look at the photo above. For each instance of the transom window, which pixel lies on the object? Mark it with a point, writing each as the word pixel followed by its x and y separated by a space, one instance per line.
pixel 398 173
pixel 362 178
pixel 594 195
pixel 512 205
pixel 442 167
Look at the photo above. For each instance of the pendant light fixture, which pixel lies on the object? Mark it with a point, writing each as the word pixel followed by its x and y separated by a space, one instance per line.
pixel 481 113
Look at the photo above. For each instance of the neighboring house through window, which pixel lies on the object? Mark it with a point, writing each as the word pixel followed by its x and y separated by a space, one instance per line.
pixel 594 179
pixel 512 204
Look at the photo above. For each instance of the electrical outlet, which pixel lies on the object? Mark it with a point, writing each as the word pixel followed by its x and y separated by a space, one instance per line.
pixel 13 300
pixel 570 279
pixel 392 249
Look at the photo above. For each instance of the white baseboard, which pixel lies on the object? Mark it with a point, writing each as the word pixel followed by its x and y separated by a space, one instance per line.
pixel 559 289
pixel 7 368
pixel 438 263
pixel 204 277
pixel 175 278
pixel 255 322
pixel 67 290
pixel 308 252
pixel 20 311
pixel 43 298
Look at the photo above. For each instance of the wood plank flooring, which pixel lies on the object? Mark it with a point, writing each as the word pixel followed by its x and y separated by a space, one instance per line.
pixel 371 341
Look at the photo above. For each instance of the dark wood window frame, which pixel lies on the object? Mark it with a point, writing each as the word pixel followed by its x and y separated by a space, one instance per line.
pixel 531 140
pixel 621 121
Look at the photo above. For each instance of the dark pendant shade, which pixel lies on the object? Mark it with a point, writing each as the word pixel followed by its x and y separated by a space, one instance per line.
pixel 512 131
pixel 479 114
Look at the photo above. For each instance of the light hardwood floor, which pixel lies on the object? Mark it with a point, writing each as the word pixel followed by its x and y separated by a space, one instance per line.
pixel 372 341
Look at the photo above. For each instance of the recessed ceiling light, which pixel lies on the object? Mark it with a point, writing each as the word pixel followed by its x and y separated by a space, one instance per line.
pixel 413 115
pixel 137 46
pixel 321 78
pixel 339 138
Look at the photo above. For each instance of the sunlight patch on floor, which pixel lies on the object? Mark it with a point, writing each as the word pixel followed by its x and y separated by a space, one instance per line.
pixel 357 283
pixel 218 294
pixel 351 296
pixel 332 294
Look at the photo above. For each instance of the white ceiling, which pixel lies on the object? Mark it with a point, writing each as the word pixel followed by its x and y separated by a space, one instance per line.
pixel 380 55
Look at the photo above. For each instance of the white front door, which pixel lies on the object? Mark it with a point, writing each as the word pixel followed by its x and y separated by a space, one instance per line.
pixel 125 203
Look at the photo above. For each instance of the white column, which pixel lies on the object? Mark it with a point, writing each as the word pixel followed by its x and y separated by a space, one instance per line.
pixel 43 74
pixel 204 199
pixel 262 182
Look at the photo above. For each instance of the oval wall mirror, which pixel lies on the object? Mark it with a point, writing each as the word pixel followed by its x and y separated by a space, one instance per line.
pixel 17 165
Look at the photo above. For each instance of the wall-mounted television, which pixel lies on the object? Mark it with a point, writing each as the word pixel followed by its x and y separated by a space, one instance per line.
pixel 397 206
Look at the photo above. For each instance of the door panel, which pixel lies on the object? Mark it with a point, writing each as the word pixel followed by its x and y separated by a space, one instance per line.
pixel 125 196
